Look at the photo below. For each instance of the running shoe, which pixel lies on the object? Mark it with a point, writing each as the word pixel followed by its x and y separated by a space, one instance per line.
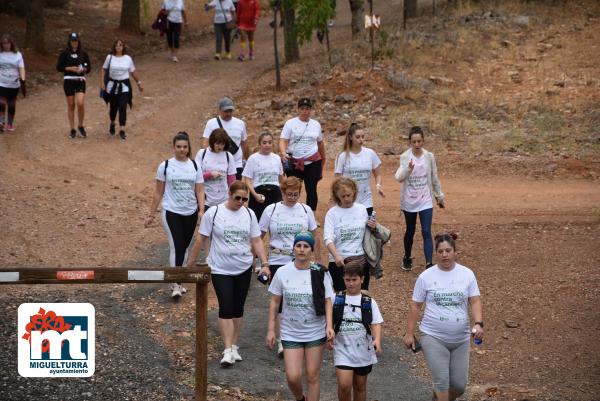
pixel 228 359
pixel 176 291
pixel 183 289
pixel 111 129
pixel 228 56
pixel 122 135
pixel 407 263
pixel 236 355
pixel 175 59
pixel 82 132
pixel 10 127
pixel 217 56
pixel 241 57
pixel 279 348
pixel 73 134
pixel 251 57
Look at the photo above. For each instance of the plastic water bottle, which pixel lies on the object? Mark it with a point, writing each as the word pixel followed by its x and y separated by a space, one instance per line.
pixel 373 217
pixel 476 341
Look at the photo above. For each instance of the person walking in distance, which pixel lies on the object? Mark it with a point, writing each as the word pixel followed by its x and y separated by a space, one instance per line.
pixel 12 78
pixel 248 12
pixel 302 149
pixel 236 131
pixel 224 22
pixel 179 184
pixel 420 186
pixel 176 18
pixel 74 63
pixel 115 82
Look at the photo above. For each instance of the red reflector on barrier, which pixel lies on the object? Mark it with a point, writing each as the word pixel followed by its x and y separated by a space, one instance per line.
pixel 75 275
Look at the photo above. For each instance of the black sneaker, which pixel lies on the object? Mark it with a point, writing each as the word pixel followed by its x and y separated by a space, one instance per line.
pixel 73 134
pixel 122 135
pixel 407 263
pixel 111 129
pixel 428 265
pixel 82 132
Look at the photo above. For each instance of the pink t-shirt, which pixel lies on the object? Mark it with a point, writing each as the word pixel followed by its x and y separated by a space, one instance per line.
pixel 417 195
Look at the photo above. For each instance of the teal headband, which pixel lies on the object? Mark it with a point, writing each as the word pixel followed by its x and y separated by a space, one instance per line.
pixel 305 236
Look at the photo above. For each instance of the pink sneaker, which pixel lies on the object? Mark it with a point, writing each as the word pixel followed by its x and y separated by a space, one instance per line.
pixel 10 127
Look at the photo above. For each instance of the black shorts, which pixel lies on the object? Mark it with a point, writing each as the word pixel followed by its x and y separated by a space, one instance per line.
pixel 72 86
pixel 231 293
pixel 360 370
pixel 9 93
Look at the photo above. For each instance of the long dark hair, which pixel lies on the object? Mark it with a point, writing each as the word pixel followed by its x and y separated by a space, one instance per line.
pixel 183 136
pixel 13 46
pixel 113 50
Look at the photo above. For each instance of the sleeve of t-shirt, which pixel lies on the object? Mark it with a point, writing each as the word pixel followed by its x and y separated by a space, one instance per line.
pixel 280 165
pixel 231 167
pixel 249 168
pixel 199 174
pixel 377 318
pixel 320 137
pixel 206 224
pixel 286 131
pixel 106 62
pixel 208 128
pixel 419 293
pixel 21 63
pixel 131 65
pixel 160 172
pixel 328 230
pixel 375 160
pixel 473 290
pixel 244 132
pixel 254 229
pixel 275 287
pixel 339 163
pixel 265 219
pixel 312 222
pixel 328 286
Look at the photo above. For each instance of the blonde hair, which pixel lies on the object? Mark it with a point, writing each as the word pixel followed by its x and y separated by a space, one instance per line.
pixel 340 183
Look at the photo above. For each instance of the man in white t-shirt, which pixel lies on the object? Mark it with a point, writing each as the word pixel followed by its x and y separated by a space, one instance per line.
pixel 235 128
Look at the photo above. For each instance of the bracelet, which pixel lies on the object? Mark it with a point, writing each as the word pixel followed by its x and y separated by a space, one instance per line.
pixel 139 82
pixel 479 323
pixel 264 263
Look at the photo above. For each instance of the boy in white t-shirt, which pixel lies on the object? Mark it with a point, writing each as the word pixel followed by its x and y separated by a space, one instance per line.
pixel 357 323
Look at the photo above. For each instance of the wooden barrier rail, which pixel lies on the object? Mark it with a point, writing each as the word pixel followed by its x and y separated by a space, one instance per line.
pixel 198 275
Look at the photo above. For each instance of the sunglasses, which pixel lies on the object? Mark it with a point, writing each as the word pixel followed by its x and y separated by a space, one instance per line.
pixel 241 198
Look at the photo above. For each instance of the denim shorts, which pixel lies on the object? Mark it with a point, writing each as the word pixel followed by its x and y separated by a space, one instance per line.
pixel 303 344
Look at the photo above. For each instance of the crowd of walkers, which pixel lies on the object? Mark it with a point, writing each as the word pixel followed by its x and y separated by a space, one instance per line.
pixel 250 219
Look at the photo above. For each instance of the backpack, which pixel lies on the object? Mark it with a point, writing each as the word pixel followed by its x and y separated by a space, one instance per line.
pixel 365 309
pixel 192 160
pixel 215 216
pixel 273 211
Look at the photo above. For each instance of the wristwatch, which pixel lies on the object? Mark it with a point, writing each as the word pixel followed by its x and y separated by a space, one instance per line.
pixel 479 323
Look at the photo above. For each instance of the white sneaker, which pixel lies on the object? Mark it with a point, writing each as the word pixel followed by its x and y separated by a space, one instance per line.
pixel 236 355
pixel 228 359
pixel 177 293
pixel 183 289
pixel 175 59
pixel 279 348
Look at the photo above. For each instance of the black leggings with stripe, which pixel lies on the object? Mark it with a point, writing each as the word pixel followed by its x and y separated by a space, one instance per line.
pixel 180 231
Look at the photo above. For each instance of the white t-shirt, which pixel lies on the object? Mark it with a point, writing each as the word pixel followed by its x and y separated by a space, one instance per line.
pixel 417 196
pixel 120 67
pixel 283 223
pixel 174 7
pixel 216 190
pixel 298 319
pixel 180 186
pixel 345 227
pixel 230 248
pixel 360 168
pixel 9 69
pixel 353 346
pixel 303 137
pixel 446 295
pixel 236 129
pixel 263 169
pixel 223 10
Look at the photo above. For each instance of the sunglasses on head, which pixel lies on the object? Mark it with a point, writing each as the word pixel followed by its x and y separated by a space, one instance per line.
pixel 240 198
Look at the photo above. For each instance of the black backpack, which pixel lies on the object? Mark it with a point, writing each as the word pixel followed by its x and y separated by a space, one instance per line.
pixel 192 160
pixel 365 306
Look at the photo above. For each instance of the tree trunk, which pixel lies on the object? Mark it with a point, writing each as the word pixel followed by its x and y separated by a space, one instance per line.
pixel 130 15
pixel 290 38
pixel 410 7
pixel 34 31
pixel 277 68
pixel 356 7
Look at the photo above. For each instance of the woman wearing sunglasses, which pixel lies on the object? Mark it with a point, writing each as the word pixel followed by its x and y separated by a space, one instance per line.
pixel 282 221
pixel 234 233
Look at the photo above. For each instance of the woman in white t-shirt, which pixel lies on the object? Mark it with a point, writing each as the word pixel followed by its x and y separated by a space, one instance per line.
pixel 360 164
pixel 420 185
pixel 302 149
pixel 12 76
pixel 303 290
pixel 218 167
pixel 282 221
pixel 448 291
pixel 263 174
pixel 224 13
pixel 344 231
pixel 180 185
pixel 176 17
pixel 234 233
pixel 115 82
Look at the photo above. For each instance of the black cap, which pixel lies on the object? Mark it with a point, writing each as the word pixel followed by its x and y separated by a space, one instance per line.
pixel 305 102
pixel 73 36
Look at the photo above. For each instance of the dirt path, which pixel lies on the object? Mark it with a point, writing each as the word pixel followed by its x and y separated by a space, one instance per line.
pixel 532 243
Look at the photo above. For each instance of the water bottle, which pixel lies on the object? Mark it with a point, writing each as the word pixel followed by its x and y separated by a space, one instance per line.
pixel 476 341
pixel 373 217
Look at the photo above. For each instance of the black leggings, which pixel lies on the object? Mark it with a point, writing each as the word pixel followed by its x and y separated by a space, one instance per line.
pixel 173 33
pixel 11 105
pixel 337 276
pixel 222 33
pixel 119 103
pixel 272 194
pixel 180 230
pixel 311 176
pixel 231 293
